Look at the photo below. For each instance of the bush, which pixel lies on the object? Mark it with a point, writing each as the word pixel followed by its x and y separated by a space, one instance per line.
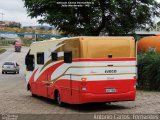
pixel 149 70
pixel 26 41
pixel 7 42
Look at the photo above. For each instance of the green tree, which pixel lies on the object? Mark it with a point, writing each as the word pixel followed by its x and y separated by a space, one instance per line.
pixel 115 17
pixel 42 28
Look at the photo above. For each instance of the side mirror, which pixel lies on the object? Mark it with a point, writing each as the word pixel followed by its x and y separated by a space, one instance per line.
pixel 27 60
pixel 68 57
pixel 54 56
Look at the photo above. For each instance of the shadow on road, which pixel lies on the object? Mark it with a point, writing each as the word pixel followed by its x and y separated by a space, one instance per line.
pixel 93 107
pixel 90 107
pixel 10 73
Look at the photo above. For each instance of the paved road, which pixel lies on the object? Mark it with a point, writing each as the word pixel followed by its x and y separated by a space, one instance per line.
pixel 15 99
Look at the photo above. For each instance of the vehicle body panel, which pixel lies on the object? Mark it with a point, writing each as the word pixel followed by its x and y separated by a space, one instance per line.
pixel 90 74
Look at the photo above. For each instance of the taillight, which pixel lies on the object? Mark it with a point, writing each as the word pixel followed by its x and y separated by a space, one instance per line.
pixel 84 83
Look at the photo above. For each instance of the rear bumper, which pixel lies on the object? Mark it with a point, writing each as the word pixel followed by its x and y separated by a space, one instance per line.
pixel 17 50
pixel 90 97
pixel 9 70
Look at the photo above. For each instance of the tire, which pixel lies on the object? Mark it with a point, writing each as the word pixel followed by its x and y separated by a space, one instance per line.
pixel 58 100
pixel 18 72
pixel 33 95
pixel 2 72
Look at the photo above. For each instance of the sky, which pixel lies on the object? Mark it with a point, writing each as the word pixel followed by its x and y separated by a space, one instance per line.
pixel 14 10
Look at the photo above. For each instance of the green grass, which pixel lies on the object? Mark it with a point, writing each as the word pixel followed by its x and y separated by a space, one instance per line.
pixel 2 50
pixel 6 43
pixel 26 41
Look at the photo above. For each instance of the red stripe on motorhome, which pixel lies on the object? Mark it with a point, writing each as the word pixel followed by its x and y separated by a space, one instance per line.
pixel 51 69
pixel 104 59
pixel 46 75
pixel 70 91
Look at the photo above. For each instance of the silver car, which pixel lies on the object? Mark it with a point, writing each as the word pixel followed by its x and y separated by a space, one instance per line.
pixel 10 67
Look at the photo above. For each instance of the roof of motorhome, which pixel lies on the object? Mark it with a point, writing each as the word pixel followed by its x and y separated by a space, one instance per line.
pixel 83 37
pixel 99 42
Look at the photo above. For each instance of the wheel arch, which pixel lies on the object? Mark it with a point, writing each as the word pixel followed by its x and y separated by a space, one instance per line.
pixel 55 93
pixel 28 87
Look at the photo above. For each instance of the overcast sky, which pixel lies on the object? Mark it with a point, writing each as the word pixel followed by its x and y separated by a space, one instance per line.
pixel 14 11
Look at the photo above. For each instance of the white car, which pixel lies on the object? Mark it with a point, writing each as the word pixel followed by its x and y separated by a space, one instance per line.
pixel 10 67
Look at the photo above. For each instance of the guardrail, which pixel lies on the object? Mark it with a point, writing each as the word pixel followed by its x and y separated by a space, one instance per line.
pixel 34 34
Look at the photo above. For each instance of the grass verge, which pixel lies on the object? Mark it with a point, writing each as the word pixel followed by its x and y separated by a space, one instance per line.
pixel 2 50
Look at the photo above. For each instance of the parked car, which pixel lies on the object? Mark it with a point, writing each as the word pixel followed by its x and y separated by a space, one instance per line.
pixel 11 67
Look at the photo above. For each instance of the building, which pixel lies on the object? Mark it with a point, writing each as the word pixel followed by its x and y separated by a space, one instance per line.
pixel 10 24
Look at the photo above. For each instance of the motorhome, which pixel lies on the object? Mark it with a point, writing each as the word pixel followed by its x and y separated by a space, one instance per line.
pixel 83 69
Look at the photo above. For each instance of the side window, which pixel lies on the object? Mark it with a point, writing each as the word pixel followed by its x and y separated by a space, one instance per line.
pixel 40 58
pixel 54 56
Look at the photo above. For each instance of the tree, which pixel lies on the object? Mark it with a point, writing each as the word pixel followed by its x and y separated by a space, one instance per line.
pixel 115 17
pixel 42 28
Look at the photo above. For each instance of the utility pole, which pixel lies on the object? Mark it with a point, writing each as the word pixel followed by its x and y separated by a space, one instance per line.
pixel 2 16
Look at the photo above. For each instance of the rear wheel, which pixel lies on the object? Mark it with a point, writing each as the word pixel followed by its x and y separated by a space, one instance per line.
pixel 34 95
pixel 2 72
pixel 58 99
pixel 29 88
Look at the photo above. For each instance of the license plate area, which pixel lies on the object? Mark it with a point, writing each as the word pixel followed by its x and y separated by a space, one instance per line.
pixel 111 90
